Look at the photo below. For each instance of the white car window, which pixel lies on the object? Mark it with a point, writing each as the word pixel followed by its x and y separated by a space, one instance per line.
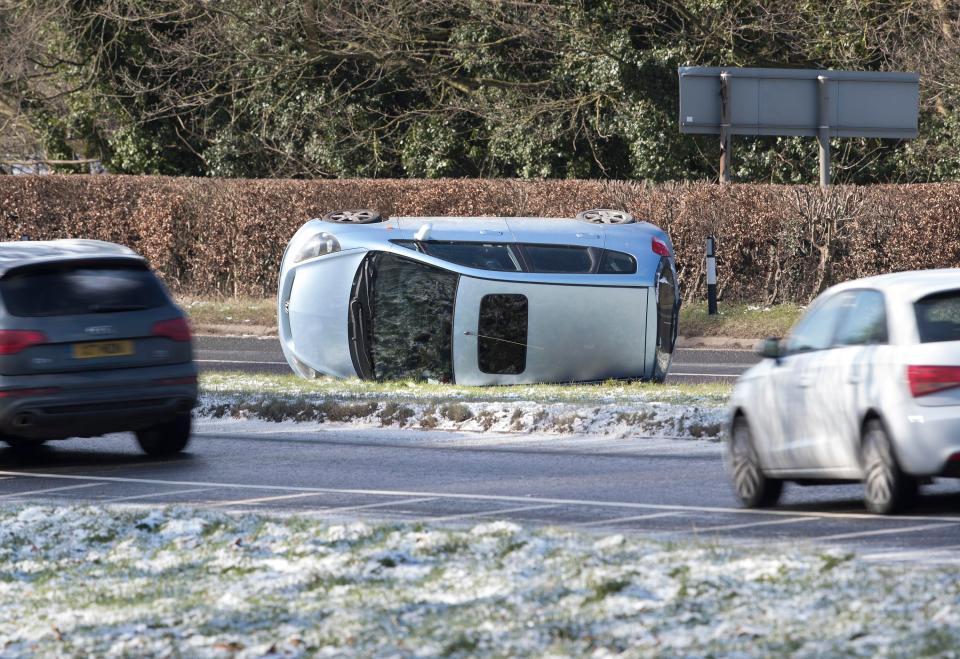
pixel 866 322
pixel 938 317
pixel 816 329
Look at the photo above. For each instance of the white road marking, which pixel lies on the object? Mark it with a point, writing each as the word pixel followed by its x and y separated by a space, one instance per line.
pixel 382 504
pixel 157 494
pixel 49 489
pixel 488 513
pixel 770 522
pixel 628 505
pixel 281 497
pixel 905 529
pixel 237 361
pixel 632 518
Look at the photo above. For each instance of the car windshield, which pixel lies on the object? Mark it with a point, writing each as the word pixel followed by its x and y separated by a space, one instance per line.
pixel 72 289
pixel 938 317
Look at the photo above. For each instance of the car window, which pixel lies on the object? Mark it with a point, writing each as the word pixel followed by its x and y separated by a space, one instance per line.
pixel 502 334
pixel 560 259
pixel 484 256
pixel 412 319
pixel 938 317
pixel 68 289
pixel 816 329
pixel 865 322
pixel 617 263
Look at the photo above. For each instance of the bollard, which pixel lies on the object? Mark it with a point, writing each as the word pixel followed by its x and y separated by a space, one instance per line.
pixel 711 276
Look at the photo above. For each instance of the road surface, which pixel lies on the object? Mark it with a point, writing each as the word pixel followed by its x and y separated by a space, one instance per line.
pixel 669 489
pixel 252 355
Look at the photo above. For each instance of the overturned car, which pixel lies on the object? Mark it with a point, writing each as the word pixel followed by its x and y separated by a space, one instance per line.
pixel 479 300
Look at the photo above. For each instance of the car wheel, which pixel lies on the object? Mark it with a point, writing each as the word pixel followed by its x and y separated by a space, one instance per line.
pixel 886 489
pixel 605 216
pixel 360 216
pixel 750 484
pixel 166 438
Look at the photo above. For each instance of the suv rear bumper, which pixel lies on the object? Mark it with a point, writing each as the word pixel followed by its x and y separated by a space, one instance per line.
pixel 81 407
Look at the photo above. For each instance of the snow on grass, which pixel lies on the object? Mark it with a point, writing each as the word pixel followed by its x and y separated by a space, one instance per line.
pixel 174 582
pixel 612 408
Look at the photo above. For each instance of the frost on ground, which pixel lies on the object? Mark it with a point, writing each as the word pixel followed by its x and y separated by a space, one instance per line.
pixel 174 582
pixel 687 412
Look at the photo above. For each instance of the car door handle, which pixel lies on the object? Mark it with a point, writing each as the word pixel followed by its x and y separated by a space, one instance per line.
pixel 853 379
pixel 804 382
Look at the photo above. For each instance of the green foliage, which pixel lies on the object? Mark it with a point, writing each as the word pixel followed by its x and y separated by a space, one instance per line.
pixel 424 88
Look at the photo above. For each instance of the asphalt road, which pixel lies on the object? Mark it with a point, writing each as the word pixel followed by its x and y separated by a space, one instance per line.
pixel 254 355
pixel 661 488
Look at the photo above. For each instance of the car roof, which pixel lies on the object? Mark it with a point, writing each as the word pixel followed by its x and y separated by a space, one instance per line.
pixel 28 252
pixel 909 285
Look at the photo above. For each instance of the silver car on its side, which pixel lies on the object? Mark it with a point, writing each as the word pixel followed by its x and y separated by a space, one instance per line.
pixel 90 344
pixel 865 388
pixel 479 300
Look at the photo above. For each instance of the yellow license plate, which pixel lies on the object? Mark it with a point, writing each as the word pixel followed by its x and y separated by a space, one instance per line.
pixel 102 349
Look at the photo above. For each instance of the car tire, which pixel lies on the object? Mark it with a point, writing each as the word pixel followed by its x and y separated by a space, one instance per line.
pixel 166 438
pixel 356 216
pixel 752 487
pixel 886 488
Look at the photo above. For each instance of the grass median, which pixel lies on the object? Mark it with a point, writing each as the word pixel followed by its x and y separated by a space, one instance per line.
pixel 88 581
pixel 685 411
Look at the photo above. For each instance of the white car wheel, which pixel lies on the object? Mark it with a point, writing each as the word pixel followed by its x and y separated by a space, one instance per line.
pixel 886 489
pixel 750 484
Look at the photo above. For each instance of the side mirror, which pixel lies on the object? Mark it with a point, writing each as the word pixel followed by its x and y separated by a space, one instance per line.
pixel 770 348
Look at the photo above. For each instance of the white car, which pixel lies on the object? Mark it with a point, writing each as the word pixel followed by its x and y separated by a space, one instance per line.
pixel 866 388
pixel 479 300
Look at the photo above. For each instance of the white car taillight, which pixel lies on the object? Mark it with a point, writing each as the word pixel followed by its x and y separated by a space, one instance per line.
pixel 925 380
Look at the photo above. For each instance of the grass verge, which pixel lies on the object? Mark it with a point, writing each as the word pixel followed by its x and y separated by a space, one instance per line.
pixel 739 320
pixel 744 321
pixel 182 582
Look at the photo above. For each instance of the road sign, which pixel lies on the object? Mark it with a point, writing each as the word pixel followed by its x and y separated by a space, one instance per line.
pixel 823 104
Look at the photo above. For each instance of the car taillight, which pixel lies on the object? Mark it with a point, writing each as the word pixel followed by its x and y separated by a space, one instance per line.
pixel 13 341
pixel 925 380
pixel 660 247
pixel 176 329
pixel 10 393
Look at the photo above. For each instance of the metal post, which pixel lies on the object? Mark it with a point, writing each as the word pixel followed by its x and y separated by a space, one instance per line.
pixel 711 276
pixel 823 130
pixel 726 143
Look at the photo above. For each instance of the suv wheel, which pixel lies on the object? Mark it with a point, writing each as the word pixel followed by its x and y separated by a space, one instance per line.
pixel 166 438
pixel 886 489
pixel 750 484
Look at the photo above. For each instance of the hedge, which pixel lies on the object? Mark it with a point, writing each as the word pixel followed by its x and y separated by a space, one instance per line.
pixel 226 236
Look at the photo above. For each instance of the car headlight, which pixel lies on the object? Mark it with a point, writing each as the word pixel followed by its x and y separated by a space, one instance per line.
pixel 317 245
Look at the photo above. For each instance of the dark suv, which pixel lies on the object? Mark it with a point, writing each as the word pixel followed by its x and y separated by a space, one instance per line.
pixel 91 343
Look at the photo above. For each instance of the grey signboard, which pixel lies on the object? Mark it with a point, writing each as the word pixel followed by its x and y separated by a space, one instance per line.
pixel 788 102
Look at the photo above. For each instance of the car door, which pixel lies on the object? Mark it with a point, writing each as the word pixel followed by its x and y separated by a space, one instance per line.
pixel 844 384
pixel 507 332
pixel 796 383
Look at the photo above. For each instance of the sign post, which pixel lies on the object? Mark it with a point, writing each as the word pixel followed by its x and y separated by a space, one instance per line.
pixel 823 104
pixel 711 276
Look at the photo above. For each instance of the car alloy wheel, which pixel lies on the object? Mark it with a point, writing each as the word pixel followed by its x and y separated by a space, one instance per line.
pixel 886 489
pixel 605 216
pixel 359 216
pixel 750 484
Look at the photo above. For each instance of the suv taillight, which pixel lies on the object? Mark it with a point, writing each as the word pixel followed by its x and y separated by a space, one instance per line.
pixel 176 329
pixel 13 341
pixel 925 380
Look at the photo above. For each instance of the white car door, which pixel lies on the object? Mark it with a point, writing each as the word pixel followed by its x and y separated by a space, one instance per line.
pixel 845 383
pixel 799 385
